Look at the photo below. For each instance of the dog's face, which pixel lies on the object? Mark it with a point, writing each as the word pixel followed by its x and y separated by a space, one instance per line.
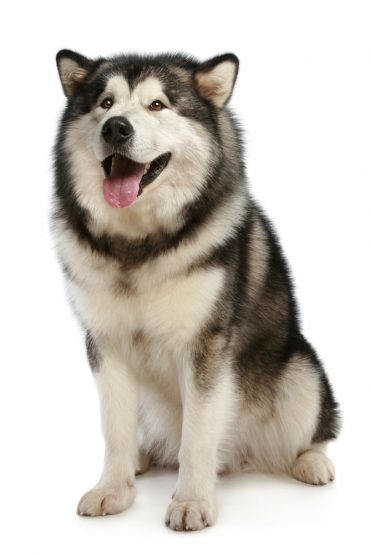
pixel 136 125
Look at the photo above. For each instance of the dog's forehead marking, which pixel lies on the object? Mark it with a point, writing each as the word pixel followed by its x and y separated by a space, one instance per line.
pixel 118 87
pixel 147 90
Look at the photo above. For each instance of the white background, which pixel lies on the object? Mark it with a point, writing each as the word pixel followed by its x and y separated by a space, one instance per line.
pixel 303 96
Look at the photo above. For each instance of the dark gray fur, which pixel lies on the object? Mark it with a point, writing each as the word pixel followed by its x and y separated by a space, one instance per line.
pixel 92 351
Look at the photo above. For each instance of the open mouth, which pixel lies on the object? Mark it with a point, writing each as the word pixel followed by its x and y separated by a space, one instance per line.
pixel 125 179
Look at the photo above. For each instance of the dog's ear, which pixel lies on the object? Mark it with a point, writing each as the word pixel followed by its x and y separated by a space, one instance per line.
pixel 73 69
pixel 215 78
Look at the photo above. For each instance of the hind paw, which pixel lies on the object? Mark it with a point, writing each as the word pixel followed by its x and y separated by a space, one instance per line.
pixel 313 467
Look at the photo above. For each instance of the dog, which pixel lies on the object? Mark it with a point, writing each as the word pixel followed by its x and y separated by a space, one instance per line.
pixel 180 284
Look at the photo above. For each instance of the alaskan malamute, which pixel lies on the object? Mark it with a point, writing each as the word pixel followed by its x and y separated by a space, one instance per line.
pixel 180 284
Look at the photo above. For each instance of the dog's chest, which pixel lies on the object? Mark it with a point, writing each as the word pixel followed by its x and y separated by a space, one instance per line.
pixel 150 301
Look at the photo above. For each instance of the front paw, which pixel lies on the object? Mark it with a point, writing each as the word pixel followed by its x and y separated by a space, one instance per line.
pixel 194 514
pixel 101 501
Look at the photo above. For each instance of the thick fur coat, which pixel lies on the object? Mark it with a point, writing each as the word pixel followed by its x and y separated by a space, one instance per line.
pixel 179 281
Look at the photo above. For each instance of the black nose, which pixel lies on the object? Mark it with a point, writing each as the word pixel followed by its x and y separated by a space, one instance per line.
pixel 116 131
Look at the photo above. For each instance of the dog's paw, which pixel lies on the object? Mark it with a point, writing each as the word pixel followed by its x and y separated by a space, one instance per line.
pixel 103 501
pixel 313 468
pixel 190 515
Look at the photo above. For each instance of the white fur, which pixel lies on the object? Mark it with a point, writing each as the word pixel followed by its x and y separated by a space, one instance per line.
pixel 166 305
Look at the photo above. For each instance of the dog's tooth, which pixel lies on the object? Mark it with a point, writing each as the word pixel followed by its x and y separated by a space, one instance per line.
pixel 146 167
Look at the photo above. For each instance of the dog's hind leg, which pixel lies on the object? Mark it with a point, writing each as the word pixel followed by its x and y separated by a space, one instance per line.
pixel 291 436
pixel 307 387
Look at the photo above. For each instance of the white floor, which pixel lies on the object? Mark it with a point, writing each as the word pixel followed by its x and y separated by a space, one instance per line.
pixel 46 474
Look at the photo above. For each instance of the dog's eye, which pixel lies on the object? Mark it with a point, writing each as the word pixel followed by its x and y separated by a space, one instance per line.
pixel 156 106
pixel 107 103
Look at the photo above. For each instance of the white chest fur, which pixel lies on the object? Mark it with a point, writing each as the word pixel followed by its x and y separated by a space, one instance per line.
pixel 156 299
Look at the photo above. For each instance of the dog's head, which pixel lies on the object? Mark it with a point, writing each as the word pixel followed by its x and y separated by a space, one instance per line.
pixel 138 124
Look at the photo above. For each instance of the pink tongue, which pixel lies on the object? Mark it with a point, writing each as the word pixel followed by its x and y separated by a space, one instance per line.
pixel 121 191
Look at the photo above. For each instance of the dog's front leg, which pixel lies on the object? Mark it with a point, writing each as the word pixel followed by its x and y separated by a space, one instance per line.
pixel 118 393
pixel 206 408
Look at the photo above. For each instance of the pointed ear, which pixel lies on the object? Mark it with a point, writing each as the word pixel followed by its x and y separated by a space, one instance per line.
pixel 73 69
pixel 215 78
